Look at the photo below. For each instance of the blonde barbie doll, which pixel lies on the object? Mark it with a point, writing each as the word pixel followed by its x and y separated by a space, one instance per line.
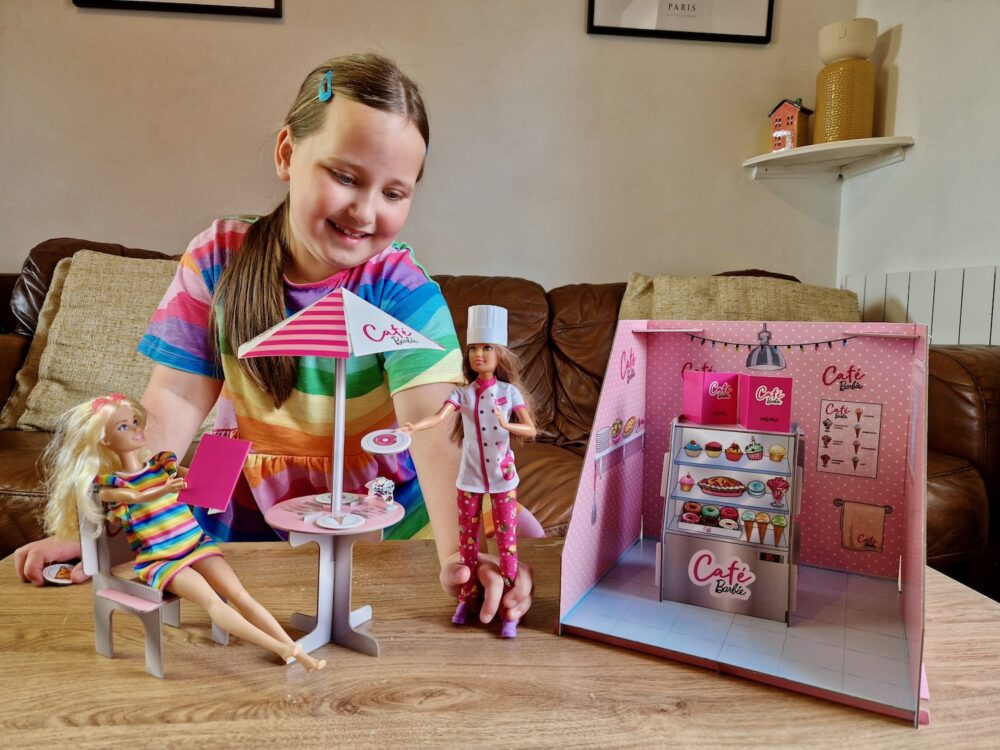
pixel 98 459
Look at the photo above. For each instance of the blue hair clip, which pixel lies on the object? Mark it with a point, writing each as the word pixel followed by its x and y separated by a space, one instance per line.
pixel 326 87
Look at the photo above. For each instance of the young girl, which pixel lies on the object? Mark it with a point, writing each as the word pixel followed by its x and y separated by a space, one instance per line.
pixel 97 457
pixel 492 398
pixel 351 149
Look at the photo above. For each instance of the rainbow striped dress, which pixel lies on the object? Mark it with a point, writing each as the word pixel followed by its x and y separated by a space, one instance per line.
pixel 164 535
pixel 292 445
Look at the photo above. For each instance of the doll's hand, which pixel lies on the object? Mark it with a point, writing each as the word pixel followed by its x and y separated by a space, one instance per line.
pixel 500 418
pixel 30 559
pixel 512 605
pixel 407 429
pixel 176 484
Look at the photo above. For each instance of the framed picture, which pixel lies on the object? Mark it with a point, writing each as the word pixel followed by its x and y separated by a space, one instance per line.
pixel 742 21
pixel 265 8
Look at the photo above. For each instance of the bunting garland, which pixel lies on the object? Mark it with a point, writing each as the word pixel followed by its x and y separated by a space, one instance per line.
pixel 788 347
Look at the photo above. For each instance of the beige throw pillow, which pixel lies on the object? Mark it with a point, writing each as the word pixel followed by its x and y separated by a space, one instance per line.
pixel 734 298
pixel 107 301
pixel 27 376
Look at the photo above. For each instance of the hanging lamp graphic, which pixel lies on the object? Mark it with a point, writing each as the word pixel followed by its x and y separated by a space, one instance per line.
pixel 766 356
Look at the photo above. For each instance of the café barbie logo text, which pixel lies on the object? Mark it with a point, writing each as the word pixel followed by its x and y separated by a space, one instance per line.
pixel 397 334
pixel 628 365
pixel 770 396
pixel 705 367
pixel 720 391
pixel 730 577
pixel 845 381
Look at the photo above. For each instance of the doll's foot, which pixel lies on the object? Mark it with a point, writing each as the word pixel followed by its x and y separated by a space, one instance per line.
pixel 461 613
pixel 508 629
pixel 309 663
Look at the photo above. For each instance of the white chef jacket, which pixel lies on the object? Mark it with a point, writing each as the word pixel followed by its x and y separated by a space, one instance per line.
pixel 486 449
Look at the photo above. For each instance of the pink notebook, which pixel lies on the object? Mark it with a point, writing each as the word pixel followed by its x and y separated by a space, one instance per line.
pixel 215 469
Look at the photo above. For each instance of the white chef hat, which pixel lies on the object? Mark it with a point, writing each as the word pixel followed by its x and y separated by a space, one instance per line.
pixel 487 325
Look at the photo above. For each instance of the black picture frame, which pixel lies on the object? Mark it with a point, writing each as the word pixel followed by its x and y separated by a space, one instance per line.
pixel 685 17
pixel 272 9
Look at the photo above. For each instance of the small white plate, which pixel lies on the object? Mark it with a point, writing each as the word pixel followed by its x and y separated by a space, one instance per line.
pixel 344 521
pixel 385 442
pixel 52 574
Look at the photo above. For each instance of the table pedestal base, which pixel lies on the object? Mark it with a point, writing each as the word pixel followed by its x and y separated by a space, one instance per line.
pixel 334 621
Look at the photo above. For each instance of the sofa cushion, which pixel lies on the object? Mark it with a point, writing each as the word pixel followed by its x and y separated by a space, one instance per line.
pixel 36 274
pixel 27 376
pixel 957 511
pixel 582 328
pixel 107 302
pixel 734 298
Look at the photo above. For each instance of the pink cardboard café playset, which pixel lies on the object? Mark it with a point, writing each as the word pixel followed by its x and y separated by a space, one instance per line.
pixel 753 500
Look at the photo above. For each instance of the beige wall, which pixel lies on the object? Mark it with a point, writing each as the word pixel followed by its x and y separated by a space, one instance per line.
pixel 939 208
pixel 555 155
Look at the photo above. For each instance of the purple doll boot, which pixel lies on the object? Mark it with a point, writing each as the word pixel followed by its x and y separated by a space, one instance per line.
pixel 508 629
pixel 461 613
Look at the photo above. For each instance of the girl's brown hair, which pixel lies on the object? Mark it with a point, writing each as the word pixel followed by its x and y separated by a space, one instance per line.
pixel 508 371
pixel 253 282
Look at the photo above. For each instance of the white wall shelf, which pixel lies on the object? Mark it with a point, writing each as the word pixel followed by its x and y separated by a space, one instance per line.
pixel 836 159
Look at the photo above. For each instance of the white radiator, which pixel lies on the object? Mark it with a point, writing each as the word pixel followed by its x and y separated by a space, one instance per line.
pixel 959 305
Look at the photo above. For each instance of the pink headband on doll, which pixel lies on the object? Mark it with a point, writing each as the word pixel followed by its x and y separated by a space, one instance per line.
pixel 113 398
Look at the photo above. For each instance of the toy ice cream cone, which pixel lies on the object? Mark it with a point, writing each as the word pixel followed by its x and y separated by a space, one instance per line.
pixel 747 517
pixel 778 522
pixel 762 520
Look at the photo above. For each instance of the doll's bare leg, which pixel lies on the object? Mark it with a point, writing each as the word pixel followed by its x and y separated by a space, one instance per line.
pixel 191 585
pixel 221 577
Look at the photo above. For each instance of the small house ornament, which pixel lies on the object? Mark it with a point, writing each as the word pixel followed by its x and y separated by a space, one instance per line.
pixel 789 125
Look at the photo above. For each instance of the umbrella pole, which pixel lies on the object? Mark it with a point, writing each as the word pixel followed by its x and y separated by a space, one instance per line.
pixel 340 376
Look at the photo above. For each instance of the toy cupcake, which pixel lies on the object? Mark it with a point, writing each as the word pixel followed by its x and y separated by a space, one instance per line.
pixel 686 482
pixel 713 449
pixel 776 452
pixel 693 449
pixel 733 452
pixel 754 451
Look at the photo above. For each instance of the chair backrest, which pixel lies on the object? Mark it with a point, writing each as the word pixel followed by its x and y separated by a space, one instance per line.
pixel 100 556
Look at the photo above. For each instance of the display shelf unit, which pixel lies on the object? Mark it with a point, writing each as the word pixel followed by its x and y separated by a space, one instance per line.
pixel 836 159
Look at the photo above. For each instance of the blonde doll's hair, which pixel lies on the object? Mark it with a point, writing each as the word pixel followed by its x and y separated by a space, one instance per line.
pixel 73 459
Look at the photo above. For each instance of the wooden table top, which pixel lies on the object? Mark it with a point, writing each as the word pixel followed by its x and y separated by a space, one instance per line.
pixel 440 686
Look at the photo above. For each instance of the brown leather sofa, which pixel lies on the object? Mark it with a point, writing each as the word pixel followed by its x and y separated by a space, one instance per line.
pixel 563 337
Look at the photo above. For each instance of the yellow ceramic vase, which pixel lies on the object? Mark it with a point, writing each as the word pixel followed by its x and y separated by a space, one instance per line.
pixel 845 101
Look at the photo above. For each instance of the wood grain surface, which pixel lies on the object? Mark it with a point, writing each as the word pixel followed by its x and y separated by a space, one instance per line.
pixel 436 685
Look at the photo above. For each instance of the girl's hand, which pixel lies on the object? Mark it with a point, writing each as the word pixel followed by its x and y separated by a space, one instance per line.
pixel 512 606
pixel 31 559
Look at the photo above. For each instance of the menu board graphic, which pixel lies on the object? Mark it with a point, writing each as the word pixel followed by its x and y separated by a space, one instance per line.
pixel 849 438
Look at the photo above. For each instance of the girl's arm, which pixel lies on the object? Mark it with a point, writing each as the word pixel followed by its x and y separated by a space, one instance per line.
pixel 427 422
pixel 178 403
pixel 437 460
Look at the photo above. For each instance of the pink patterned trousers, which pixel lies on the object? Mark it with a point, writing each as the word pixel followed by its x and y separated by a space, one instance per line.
pixel 470 506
